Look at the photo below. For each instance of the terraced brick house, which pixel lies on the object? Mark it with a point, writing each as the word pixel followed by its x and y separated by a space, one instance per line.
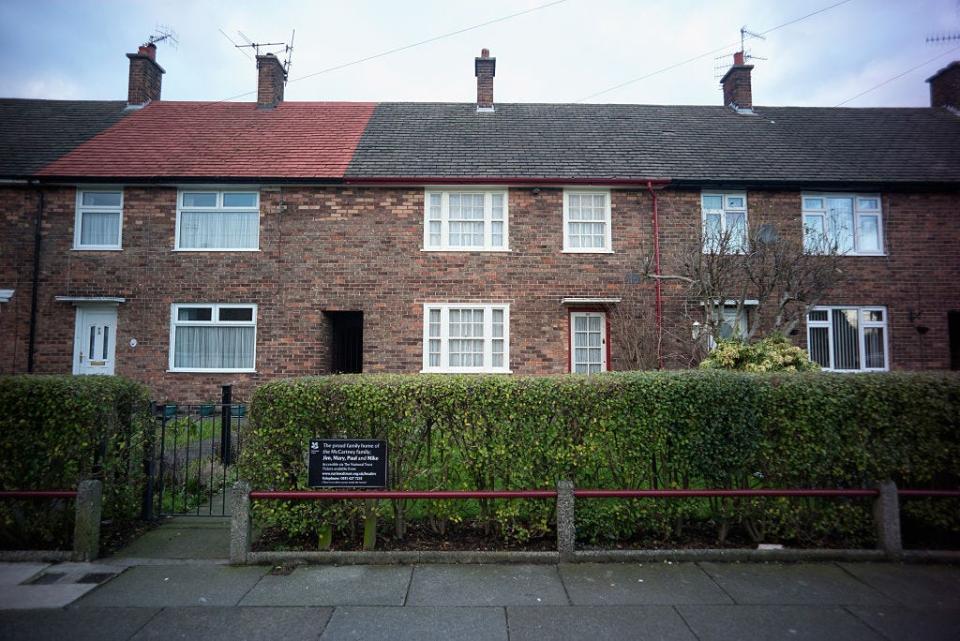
pixel 193 244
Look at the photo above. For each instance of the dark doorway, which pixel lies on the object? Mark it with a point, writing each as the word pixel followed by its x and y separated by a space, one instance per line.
pixel 953 320
pixel 346 342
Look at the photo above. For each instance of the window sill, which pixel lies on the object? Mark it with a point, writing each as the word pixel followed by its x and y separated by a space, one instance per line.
pixel 873 370
pixel 466 371
pixel 851 255
pixel 211 371
pixel 466 251
pixel 587 251
pixel 215 250
pixel 97 249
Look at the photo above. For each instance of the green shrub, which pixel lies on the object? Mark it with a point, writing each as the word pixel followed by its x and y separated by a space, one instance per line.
pixel 689 429
pixel 58 430
pixel 771 354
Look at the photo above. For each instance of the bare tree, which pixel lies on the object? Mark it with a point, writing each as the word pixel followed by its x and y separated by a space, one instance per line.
pixel 779 278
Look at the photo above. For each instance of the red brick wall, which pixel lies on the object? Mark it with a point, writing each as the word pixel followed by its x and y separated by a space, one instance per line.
pixel 360 249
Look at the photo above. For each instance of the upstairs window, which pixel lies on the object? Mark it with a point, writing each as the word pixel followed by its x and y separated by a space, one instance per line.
pixel 466 221
pixel 466 338
pixel 724 222
pixel 99 219
pixel 586 221
pixel 213 338
pixel 848 339
pixel 843 224
pixel 218 221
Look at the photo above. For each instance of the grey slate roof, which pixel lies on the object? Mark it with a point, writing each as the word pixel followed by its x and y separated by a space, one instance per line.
pixel 696 144
pixel 35 132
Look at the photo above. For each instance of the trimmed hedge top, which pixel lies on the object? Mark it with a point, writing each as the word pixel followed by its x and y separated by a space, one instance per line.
pixel 620 430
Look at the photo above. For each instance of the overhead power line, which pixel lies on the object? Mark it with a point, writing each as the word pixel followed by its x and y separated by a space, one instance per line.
pixel 899 75
pixel 388 52
pixel 710 53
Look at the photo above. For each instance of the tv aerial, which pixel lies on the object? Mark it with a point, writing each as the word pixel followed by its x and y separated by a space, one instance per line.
pixel 723 63
pixel 273 48
pixel 164 33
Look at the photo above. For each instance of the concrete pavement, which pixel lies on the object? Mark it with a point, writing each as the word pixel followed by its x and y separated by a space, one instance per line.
pixel 668 601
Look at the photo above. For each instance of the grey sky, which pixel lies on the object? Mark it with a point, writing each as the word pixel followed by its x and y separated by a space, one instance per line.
pixel 51 49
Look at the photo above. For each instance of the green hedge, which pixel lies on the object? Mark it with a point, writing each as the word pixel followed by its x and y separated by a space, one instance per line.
pixel 623 430
pixel 58 430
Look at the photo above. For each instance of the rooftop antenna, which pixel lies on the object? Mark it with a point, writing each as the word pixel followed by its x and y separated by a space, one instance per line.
pixel 945 37
pixel 288 52
pixel 256 46
pixel 164 33
pixel 723 63
pixel 245 54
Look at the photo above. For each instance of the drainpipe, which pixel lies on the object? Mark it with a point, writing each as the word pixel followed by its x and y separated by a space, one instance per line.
pixel 37 244
pixel 656 271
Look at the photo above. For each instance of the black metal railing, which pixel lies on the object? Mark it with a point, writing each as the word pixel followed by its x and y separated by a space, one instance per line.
pixel 193 456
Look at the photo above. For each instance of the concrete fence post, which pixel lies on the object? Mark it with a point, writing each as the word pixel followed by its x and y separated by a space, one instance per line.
pixel 566 529
pixel 86 524
pixel 886 516
pixel 240 523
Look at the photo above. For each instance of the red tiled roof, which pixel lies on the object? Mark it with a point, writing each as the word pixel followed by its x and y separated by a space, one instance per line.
pixel 227 139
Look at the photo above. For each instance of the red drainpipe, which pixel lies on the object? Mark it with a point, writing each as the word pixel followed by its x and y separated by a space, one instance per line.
pixel 656 271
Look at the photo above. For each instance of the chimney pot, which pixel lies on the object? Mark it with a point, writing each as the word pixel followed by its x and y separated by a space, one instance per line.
pixel 145 77
pixel 945 86
pixel 485 68
pixel 737 91
pixel 270 81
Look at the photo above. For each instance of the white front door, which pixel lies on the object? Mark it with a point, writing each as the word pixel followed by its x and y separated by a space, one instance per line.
pixel 588 342
pixel 96 339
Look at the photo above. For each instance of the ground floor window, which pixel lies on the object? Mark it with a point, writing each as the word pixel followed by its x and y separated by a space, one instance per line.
pixel 463 338
pixel 588 342
pixel 848 338
pixel 213 337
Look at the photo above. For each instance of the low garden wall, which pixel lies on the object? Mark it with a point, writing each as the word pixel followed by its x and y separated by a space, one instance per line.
pixel 691 429
pixel 56 431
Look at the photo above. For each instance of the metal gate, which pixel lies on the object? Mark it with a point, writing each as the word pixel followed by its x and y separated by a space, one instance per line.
pixel 192 467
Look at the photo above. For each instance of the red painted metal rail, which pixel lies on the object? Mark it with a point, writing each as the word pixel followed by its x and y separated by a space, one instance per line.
pixel 38 494
pixel 330 495
pixel 320 495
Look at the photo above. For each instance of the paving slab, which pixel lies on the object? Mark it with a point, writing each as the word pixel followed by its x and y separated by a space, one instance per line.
pixel 914 585
pixel 236 624
pixel 575 623
pixel 17 573
pixel 792 584
pixel 173 586
pixel 344 585
pixel 183 538
pixel 93 624
pixel 416 624
pixel 908 624
pixel 639 584
pixel 492 585
pixel 18 597
pixel 769 622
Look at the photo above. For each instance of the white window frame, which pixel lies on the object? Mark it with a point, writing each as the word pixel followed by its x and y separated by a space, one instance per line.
pixel 858 211
pixel 739 323
pixel 213 322
pixel 218 208
pixel 862 323
pixel 445 308
pixel 604 361
pixel 608 222
pixel 725 208
pixel 488 221
pixel 81 208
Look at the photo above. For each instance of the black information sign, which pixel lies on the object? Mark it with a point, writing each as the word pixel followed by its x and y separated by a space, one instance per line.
pixel 348 463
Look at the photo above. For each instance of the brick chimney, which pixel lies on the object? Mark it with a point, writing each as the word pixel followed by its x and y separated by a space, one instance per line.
pixel 270 80
pixel 485 68
pixel 736 85
pixel 945 86
pixel 145 75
